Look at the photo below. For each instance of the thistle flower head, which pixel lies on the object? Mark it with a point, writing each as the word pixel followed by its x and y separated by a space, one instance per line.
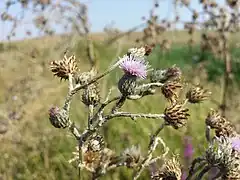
pixel 176 115
pixel 58 117
pixel 188 149
pixel 170 170
pixel 134 66
pixel 63 68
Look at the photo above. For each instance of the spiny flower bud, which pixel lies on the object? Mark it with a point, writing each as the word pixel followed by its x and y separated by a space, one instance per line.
pixel 197 95
pixel 127 84
pixel 176 115
pixel 172 73
pixel 91 95
pixel 63 68
pixel 58 117
pixel 222 126
pixel 220 154
pixel 137 52
pixel 85 77
pixel 169 90
pixel 171 170
pixel 132 156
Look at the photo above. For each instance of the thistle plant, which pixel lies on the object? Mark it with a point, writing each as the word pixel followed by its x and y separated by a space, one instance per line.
pixel 91 152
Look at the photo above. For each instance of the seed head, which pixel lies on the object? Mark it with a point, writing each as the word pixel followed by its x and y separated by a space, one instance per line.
pixel 58 117
pixel 171 170
pixel 170 90
pixel 63 68
pixel 176 115
pixel 197 95
pixel 132 156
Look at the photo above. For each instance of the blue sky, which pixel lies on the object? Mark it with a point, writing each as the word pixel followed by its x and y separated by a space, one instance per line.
pixel 124 13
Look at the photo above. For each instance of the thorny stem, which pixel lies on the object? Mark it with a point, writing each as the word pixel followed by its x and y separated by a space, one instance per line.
pixel 119 104
pixel 207 134
pixel 90 115
pixel 193 170
pixel 133 116
pixel 152 146
pixel 149 85
pixel 203 172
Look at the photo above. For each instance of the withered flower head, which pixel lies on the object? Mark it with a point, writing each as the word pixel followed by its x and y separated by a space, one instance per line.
pixel 197 94
pixel 176 115
pixel 171 170
pixel 221 125
pixel 63 68
pixel 132 156
pixel 58 117
pixel 170 90
pixel 91 95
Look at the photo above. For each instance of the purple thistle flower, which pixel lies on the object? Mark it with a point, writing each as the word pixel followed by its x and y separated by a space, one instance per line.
pixel 235 143
pixel 188 149
pixel 134 66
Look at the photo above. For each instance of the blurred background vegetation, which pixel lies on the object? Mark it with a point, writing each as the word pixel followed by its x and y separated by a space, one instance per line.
pixel 32 149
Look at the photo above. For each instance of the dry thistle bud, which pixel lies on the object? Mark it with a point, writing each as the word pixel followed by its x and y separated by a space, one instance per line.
pixel 58 117
pixel 171 170
pixel 91 95
pixel 132 156
pixel 170 90
pixel 176 115
pixel 197 94
pixel 64 67
pixel 222 126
